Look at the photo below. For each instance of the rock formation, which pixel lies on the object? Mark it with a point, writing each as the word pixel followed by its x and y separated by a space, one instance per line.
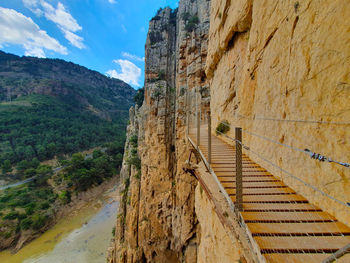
pixel 159 224
pixel 286 60
pixel 282 60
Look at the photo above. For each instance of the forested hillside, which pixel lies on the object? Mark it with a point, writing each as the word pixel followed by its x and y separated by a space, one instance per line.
pixel 49 107
pixel 52 108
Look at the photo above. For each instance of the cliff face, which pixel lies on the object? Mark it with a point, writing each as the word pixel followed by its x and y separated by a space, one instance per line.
pixel 158 224
pixel 262 60
pixel 286 60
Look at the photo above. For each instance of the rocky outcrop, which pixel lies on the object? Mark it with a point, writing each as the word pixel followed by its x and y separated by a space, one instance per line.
pixel 159 224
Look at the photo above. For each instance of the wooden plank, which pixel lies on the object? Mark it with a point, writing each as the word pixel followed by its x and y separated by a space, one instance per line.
pixel 272 198
pixel 295 258
pixel 260 204
pixel 245 173
pixel 246 168
pixel 263 191
pixel 279 206
pixel 297 228
pixel 231 178
pixel 283 216
pixel 216 164
pixel 255 184
pixel 303 242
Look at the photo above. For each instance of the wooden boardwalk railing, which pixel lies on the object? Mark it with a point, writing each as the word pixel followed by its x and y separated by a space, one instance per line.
pixel 286 227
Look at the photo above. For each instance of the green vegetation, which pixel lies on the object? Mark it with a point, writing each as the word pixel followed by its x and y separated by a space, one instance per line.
pixel 82 173
pixel 52 108
pixel 26 207
pixel 32 206
pixel 296 6
pixel 139 96
pixel 223 127
pixel 134 158
pixel 161 75
pixel 49 107
pixel 190 21
pixel 133 141
pixel 6 167
pixel 47 128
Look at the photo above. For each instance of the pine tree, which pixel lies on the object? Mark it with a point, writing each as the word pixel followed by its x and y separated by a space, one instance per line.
pixel 6 167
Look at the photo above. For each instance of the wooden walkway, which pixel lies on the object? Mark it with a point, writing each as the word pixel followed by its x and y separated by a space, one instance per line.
pixel 286 227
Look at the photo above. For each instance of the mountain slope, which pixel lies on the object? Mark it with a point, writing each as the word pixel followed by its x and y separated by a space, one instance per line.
pixel 104 96
pixel 50 107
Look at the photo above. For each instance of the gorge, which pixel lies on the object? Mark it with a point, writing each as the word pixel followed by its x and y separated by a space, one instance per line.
pixel 279 69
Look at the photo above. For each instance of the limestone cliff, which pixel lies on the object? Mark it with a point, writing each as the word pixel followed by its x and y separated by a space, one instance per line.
pixel 157 221
pixel 263 60
pixel 279 61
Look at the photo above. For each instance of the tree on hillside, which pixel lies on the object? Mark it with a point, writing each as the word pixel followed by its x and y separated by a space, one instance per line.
pixel 6 167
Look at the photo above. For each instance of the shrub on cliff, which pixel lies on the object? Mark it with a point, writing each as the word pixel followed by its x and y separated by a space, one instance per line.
pixel 135 160
pixel 65 197
pixel 133 141
pixel 191 23
pixel 139 97
pixel 222 127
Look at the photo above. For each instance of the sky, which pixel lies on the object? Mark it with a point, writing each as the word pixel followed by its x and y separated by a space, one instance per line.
pixel 104 35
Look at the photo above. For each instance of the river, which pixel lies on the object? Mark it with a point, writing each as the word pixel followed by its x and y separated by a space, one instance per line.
pixel 81 238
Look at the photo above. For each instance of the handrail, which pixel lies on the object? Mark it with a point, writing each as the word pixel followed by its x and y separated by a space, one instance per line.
pixel 263 118
pixel 235 205
pixel 313 155
pixel 283 170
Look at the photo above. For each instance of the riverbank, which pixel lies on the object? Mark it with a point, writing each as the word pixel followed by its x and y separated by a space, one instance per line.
pixel 78 201
pixel 82 233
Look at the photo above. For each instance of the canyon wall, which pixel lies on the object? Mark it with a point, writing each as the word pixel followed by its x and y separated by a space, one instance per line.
pixel 157 221
pixel 282 68
pixel 270 66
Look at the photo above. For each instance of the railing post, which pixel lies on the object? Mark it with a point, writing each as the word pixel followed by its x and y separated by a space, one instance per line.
pixel 187 108
pixel 198 128
pixel 198 120
pixel 209 138
pixel 239 184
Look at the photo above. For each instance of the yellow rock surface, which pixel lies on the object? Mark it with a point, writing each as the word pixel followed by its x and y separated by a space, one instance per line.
pixel 214 243
pixel 286 60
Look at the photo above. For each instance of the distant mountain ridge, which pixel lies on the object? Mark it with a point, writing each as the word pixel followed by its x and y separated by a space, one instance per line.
pixel 50 107
pixel 107 97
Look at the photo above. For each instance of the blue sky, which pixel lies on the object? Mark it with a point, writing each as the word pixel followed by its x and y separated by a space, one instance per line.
pixel 104 35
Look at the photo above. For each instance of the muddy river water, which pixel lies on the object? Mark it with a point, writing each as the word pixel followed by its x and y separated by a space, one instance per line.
pixel 82 237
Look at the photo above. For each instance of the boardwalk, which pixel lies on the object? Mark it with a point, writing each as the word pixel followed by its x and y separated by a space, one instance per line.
pixel 286 227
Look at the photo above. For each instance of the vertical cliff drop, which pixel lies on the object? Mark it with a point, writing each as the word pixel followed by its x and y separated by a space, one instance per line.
pixel 261 62
pixel 157 221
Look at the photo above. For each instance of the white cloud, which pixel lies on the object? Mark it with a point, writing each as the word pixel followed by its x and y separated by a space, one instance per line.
pixel 32 5
pixel 15 28
pixel 112 1
pixel 129 72
pixel 132 57
pixel 60 16
pixel 34 51
pixel 74 39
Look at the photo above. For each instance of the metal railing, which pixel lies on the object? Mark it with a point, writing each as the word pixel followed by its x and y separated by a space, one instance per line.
pixel 195 120
pixel 197 123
